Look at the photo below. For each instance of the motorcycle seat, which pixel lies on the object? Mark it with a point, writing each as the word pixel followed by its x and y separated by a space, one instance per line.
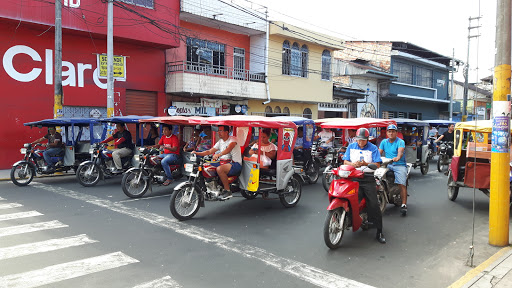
pixel 268 172
pixel 390 173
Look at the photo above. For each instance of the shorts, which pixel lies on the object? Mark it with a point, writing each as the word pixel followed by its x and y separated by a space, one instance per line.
pixel 400 173
pixel 235 170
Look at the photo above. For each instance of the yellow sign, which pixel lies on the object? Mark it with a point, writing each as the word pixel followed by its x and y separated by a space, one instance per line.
pixel 254 180
pixel 119 67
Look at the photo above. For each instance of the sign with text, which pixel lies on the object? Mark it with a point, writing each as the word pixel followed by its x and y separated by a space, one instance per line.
pixel 119 67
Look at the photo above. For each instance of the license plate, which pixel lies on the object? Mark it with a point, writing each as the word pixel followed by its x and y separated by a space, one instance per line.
pixel 91 150
pixel 23 151
pixel 189 168
pixel 193 158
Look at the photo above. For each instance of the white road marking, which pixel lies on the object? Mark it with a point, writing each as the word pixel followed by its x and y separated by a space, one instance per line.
pixel 65 271
pixel 44 246
pixel 20 229
pixel 9 206
pixel 300 270
pixel 19 215
pixel 1 199
pixel 145 198
pixel 165 282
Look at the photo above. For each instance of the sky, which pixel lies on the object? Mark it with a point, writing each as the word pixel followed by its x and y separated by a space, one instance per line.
pixel 437 25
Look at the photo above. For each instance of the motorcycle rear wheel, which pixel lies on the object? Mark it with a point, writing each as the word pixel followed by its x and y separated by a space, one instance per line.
pixel 292 192
pixel 335 225
pixel 424 168
pixel 133 188
pixel 327 178
pixel 181 207
pixel 22 174
pixel 88 180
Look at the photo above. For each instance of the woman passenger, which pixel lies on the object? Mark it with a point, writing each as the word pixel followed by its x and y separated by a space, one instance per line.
pixel 268 149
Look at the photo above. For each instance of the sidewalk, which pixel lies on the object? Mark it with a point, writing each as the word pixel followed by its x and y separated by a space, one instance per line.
pixel 495 272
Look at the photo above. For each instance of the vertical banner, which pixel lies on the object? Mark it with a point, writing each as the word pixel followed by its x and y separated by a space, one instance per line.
pixel 501 127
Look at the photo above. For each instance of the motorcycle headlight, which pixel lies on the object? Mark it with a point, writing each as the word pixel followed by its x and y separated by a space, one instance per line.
pixel 343 174
pixel 91 150
pixel 26 145
pixel 23 151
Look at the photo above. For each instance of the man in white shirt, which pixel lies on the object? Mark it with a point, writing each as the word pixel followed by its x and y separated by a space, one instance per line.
pixel 229 151
pixel 327 137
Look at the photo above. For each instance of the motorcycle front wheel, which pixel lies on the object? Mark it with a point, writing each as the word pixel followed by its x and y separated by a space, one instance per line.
pixel 312 172
pixel 88 174
pixel 185 202
pixel 335 225
pixel 382 201
pixel 442 163
pixel 22 174
pixel 424 168
pixel 135 183
pixel 327 178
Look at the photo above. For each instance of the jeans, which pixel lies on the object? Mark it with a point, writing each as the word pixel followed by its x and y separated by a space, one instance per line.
pixel 169 159
pixel 368 190
pixel 51 152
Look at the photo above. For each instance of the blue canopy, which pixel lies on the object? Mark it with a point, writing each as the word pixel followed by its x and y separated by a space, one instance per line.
pixel 125 119
pixel 299 121
pixel 410 122
pixel 63 122
pixel 440 122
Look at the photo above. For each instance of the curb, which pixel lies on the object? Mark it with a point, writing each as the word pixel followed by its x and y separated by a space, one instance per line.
pixel 475 274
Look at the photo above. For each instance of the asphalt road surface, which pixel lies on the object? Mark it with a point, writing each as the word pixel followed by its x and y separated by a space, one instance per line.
pixel 57 233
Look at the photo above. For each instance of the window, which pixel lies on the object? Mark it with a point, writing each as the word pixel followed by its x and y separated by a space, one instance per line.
pixel 304 58
pixel 287 52
pixel 326 65
pixel 403 71
pixel 423 77
pixel 238 63
pixel 416 116
pixel 205 56
pixel 388 114
pixel 277 110
pixel 296 67
pixel 143 3
pixel 286 111
pixel 268 110
pixel 307 113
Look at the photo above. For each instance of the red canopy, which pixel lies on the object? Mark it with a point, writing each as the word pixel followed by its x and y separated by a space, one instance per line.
pixel 176 120
pixel 356 123
pixel 246 121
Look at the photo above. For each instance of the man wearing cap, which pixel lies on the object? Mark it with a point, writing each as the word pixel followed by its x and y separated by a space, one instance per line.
pixel 360 154
pixel 393 148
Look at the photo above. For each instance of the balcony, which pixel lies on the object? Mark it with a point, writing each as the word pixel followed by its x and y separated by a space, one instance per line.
pixel 189 78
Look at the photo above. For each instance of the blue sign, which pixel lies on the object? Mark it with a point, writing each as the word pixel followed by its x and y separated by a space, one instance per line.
pixel 210 111
pixel 244 109
pixel 171 111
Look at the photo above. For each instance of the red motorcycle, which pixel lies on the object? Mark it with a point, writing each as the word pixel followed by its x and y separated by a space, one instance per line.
pixel 203 184
pixel 344 210
pixel 138 180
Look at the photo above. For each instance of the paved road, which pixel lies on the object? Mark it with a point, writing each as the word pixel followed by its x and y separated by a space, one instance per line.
pixel 96 237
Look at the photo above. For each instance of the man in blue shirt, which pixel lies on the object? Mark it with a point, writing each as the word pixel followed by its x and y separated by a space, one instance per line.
pixel 394 148
pixel 360 154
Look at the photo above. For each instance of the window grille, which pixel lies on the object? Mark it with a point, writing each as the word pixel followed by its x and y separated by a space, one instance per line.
pixel 307 113
pixel 277 109
pixel 287 52
pixel 403 71
pixel 286 111
pixel 326 65
pixel 304 58
pixel 402 115
pixel 205 56
pixel 296 67
pixel 424 77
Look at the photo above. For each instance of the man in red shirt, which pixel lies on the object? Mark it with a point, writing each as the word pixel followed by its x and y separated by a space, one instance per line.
pixel 171 153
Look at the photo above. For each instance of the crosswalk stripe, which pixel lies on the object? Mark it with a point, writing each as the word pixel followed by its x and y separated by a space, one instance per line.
pixel 44 246
pixel 20 229
pixel 65 271
pixel 165 282
pixel 9 206
pixel 19 215
pixel 1 199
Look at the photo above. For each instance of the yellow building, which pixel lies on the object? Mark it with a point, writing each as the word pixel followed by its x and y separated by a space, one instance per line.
pixel 299 71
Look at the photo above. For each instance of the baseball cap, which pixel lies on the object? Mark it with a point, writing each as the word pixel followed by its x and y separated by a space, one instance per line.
pixel 362 134
pixel 392 127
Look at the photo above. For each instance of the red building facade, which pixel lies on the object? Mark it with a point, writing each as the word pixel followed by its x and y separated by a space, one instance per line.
pixel 27 51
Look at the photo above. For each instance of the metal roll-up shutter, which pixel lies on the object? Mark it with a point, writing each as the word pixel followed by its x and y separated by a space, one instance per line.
pixel 141 103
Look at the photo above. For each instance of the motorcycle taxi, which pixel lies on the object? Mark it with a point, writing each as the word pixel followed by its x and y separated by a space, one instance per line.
pixel 304 158
pixel 471 161
pixel 78 134
pixel 443 160
pixel 101 164
pixel 415 134
pixel 280 178
pixel 344 124
pixel 138 180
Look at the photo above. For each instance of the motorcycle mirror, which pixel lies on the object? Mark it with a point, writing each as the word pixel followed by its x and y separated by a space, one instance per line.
pixel 215 128
pixel 372 166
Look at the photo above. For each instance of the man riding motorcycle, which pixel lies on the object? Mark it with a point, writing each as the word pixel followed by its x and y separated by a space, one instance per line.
pixel 171 155
pixel 229 150
pixel 123 143
pixel 394 148
pixel 55 146
pixel 360 154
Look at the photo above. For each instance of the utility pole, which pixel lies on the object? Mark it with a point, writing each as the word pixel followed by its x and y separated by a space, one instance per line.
pixel 110 59
pixel 466 70
pixel 499 208
pixel 451 94
pixel 57 76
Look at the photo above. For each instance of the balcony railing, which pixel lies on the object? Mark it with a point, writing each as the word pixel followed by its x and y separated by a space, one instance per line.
pixel 214 70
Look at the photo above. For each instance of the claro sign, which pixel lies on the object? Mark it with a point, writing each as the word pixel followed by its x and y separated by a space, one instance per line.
pixel 72 76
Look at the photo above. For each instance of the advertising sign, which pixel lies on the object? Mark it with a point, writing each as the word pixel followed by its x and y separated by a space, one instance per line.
pixel 501 127
pixel 119 67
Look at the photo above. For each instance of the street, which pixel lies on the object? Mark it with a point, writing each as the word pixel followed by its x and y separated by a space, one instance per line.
pixel 101 238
